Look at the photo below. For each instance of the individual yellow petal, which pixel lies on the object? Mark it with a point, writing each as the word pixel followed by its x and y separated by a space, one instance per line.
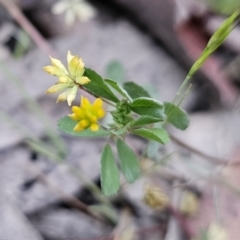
pixel 80 68
pixel 75 109
pixel 100 113
pixel 94 127
pixel 56 88
pixel 85 103
pixel 83 80
pixel 54 71
pixel 79 112
pixel 78 127
pixel 73 65
pixel 69 57
pixel 71 95
pixel 84 123
pixel 64 79
pixel 73 116
pixel 98 103
pixel 62 97
pixel 57 63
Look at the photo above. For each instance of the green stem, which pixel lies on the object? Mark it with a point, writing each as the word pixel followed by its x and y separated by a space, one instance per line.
pixel 185 95
pixel 186 80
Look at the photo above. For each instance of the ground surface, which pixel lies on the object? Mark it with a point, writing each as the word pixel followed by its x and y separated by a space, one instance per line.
pixel 31 207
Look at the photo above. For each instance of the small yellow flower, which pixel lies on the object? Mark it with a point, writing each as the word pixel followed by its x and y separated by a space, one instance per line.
pixel 87 114
pixel 155 198
pixel 68 79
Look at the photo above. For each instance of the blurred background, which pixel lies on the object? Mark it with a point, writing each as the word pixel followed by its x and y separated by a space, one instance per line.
pixel 49 182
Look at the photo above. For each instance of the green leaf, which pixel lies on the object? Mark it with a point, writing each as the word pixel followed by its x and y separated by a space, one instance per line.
pixel 216 40
pixel 115 71
pixel 143 120
pixel 66 124
pixel 97 86
pixel 149 107
pixel 135 91
pixel 109 172
pixel 118 88
pixel 155 134
pixel 176 116
pixel 128 161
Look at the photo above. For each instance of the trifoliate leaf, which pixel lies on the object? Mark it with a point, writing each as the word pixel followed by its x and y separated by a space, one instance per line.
pixel 66 124
pixel 135 91
pixel 128 161
pixel 97 86
pixel 176 116
pixel 149 107
pixel 109 172
pixel 156 134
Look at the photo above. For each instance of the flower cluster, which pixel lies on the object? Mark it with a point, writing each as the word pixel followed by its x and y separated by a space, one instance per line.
pixel 69 80
pixel 87 114
pixel 121 114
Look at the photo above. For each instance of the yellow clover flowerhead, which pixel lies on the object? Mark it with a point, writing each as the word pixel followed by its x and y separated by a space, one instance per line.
pixel 155 198
pixel 68 79
pixel 88 114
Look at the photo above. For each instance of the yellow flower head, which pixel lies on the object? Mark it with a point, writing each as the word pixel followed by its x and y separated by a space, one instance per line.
pixel 68 79
pixel 155 198
pixel 87 114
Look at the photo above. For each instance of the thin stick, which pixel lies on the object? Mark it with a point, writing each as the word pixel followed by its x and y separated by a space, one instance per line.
pixel 73 201
pixel 19 17
pixel 213 159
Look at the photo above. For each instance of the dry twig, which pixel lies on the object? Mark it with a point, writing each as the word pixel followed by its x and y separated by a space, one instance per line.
pixel 19 17
pixel 69 199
